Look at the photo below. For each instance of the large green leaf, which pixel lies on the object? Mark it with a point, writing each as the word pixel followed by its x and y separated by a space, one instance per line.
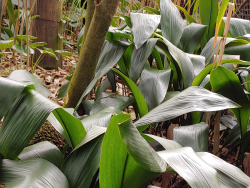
pixel 111 53
pixel 242 50
pixel 11 90
pixel 227 84
pixel 208 14
pixel 139 149
pixel 229 175
pixel 37 173
pixel 190 167
pixel 189 100
pixel 198 62
pixel 44 150
pixel 209 50
pixel 195 136
pixel 115 156
pixel 26 78
pixel 142 105
pixel 182 59
pixel 111 100
pixel 191 37
pixel 202 75
pixel 101 118
pixel 139 58
pixel 26 116
pixel 238 27
pixel 82 164
pixel 143 26
pixel 154 85
pixel 172 24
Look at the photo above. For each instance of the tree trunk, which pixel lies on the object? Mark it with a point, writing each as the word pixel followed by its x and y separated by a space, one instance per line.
pixel 46 28
pixel 91 50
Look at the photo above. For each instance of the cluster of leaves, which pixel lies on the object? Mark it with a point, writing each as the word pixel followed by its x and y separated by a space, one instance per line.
pixel 167 66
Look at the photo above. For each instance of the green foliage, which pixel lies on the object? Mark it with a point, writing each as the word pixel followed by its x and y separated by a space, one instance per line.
pixel 162 63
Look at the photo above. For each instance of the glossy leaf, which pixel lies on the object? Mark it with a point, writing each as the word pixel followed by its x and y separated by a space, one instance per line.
pixel 115 156
pixel 227 84
pixel 82 164
pixel 191 37
pixel 194 136
pixel 143 26
pixel 189 100
pixel 202 75
pixel 101 118
pixel 238 27
pixel 12 91
pixel 25 37
pixel 142 105
pixel 64 53
pixel 44 150
pixel 183 61
pixel 190 167
pixel 229 175
pixel 26 116
pixel 172 24
pixel 31 173
pixel 111 100
pixel 26 78
pixel 139 58
pixel 111 53
pixel 154 85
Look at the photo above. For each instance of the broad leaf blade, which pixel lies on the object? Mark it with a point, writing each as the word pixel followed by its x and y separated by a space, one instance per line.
pixel 83 162
pixel 143 26
pixel 194 136
pixel 39 173
pixel 189 100
pixel 190 167
pixel 172 24
pixel 154 85
pixel 191 37
pixel 12 91
pixel 44 150
pixel 229 175
pixel 227 84
pixel 26 78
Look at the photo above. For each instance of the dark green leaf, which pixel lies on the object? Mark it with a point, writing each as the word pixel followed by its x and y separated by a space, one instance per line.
pixel 227 84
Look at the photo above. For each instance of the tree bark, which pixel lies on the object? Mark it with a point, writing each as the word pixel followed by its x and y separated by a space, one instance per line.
pixel 91 50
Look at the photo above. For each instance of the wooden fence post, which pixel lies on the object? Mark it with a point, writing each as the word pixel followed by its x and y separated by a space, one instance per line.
pixel 46 28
